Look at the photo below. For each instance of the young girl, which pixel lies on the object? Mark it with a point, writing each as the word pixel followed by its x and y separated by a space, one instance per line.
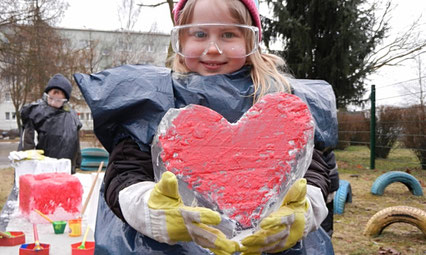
pixel 218 64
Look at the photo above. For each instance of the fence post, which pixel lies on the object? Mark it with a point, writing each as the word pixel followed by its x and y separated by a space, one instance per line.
pixel 373 127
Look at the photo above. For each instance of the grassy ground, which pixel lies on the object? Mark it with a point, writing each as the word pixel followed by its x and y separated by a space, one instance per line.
pixel 6 183
pixel 399 238
pixel 348 238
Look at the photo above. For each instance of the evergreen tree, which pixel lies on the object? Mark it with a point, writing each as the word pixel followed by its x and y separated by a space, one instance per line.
pixel 326 39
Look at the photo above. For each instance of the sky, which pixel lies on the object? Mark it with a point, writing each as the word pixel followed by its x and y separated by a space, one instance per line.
pixel 103 15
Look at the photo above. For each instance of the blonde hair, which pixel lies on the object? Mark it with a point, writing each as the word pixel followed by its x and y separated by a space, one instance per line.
pixel 265 67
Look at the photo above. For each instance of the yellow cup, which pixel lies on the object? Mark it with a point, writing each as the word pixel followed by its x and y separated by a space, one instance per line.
pixel 75 227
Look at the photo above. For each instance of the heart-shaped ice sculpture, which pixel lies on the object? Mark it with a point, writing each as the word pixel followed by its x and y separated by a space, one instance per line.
pixel 242 169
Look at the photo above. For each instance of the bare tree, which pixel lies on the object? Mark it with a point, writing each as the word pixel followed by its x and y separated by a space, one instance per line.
pixel 31 53
pixel 414 90
pixel 128 14
pixel 132 47
pixel 22 12
pixel 88 57
pixel 404 46
pixel 422 86
pixel 170 4
pixel 414 116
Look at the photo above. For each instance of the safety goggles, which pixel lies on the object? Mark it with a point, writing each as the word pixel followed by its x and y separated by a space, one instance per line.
pixel 58 100
pixel 231 40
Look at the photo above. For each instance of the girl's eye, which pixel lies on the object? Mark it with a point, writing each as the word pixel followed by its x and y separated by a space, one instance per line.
pixel 200 34
pixel 228 35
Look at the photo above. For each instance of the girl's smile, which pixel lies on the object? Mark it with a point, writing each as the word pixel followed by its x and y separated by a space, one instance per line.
pixel 213 66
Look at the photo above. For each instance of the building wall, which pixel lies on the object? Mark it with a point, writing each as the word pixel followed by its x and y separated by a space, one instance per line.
pixel 138 48
pixel 7 116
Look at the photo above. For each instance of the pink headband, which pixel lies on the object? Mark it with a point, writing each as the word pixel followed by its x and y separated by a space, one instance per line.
pixel 251 5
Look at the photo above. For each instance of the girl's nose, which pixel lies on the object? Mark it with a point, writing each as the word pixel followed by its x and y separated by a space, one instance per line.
pixel 212 48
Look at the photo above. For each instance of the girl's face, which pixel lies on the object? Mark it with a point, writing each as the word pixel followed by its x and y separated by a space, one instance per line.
pixel 214 60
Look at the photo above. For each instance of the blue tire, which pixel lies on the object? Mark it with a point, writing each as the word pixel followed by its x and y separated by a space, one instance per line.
pixel 94 152
pixel 91 158
pixel 385 179
pixel 343 195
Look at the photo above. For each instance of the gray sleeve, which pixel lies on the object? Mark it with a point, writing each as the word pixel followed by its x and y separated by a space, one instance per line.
pixel 27 141
pixel 317 209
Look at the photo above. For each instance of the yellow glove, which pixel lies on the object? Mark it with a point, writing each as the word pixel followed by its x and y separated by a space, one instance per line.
pixel 283 228
pixel 185 223
pixel 157 211
pixel 28 154
pixel 35 154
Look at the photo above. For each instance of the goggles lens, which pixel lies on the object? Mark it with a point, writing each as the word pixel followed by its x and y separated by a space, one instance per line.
pixel 231 40
pixel 59 100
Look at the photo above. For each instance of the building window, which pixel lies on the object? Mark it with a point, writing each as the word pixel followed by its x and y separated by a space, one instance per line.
pixel 7 115
pixel 85 44
pixel 13 115
pixel 106 52
pixel 124 45
pixel 88 116
pixel 150 48
pixel 7 97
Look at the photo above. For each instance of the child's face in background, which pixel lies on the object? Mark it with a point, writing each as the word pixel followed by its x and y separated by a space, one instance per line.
pixel 56 98
pixel 213 62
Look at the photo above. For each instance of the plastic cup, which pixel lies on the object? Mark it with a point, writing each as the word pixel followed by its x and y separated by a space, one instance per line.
pixel 28 249
pixel 89 248
pixel 75 227
pixel 59 226
pixel 18 238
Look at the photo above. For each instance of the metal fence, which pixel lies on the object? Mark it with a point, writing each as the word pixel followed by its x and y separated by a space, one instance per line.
pixel 390 120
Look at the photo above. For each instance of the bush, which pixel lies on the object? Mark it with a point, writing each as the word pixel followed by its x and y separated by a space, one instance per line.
pixel 414 126
pixel 387 130
pixel 354 129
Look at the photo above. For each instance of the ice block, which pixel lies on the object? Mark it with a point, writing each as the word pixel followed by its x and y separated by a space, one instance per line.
pixel 57 195
pixel 243 169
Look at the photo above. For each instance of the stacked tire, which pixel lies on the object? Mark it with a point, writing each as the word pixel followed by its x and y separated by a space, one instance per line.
pixel 92 158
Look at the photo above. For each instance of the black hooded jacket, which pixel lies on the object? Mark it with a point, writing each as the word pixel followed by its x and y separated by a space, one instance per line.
pixel 57 131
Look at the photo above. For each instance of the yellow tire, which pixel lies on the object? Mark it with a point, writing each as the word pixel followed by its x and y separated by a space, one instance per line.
pixel 390 215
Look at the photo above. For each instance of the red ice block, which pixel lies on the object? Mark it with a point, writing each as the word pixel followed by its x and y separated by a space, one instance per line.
pixel 241 169
pixel 57 195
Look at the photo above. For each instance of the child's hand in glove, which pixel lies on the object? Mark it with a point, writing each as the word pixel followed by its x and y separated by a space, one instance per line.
pixel 157 211
pixel 28 154
pixel 283 228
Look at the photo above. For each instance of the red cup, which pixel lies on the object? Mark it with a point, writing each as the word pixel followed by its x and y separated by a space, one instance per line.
pixel 88 250
pixel 28 249
pixel 17 237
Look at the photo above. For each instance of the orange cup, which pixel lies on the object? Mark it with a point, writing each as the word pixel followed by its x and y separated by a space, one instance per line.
pixel 75 227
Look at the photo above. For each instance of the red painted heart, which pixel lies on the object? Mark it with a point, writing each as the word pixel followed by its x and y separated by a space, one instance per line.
pixel 240 169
